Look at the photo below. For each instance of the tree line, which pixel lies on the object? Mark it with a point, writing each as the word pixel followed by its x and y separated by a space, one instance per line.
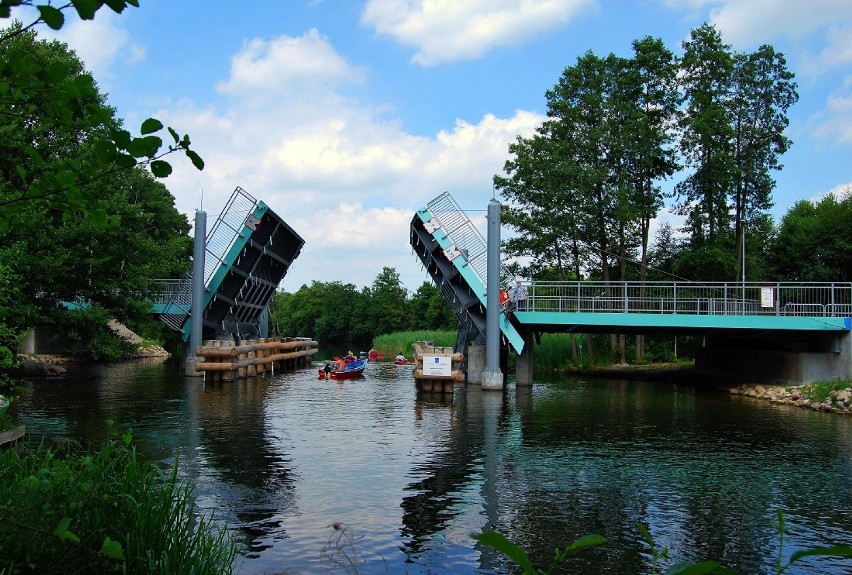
pixel 625 134
pixel 83 214
pixel 335 311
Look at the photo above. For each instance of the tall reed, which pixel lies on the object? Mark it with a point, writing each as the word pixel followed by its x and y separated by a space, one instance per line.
pixel 403 341
pixel 103 511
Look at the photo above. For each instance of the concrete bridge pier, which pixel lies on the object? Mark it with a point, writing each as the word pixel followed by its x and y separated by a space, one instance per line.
pixel 776 361
pixel 475 355
pixel 524 363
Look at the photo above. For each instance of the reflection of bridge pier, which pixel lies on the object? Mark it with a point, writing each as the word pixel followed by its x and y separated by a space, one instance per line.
pixel 776 331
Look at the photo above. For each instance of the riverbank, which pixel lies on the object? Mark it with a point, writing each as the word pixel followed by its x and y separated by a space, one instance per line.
pixel 51 366
pixel 837 401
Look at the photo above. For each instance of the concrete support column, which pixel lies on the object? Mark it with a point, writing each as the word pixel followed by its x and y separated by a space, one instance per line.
pixel 492 377
pixel 195 318
pixel 524 363
pixel 475 363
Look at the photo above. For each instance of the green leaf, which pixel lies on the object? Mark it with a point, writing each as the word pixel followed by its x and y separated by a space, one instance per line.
pixel 57 72
pixel 584 542
pixel 161 169
pixel 151 125
pixel 121 138
pixel 98 216
pixel 105 151
pixel 196 159
pixel 52 17
pixel 834 551
pixel 145 146
pixel 5 11
pixel 499 542
pixel 86 8
pixel 646 535
pixel 174 135
pixel 62 532
pixel 125 161
pixel 112 549
pixel 117 6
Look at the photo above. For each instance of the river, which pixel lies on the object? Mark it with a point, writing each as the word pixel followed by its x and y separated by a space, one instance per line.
pixel 407 478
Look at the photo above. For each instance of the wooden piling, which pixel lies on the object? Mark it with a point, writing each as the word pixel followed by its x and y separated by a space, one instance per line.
pixel 224 361
pixel 436 381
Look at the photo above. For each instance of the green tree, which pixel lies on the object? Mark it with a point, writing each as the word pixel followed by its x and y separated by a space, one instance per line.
pixel 323 310
pixel 544 209
pixel 706 79
pixel 56 106
pixel 732 137
pixel 387 308
pixel 108 261
pixel 428 310
pixel 814 241
pixel 763 93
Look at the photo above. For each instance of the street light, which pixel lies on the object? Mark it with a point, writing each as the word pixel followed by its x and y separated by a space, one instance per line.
pixel 743 278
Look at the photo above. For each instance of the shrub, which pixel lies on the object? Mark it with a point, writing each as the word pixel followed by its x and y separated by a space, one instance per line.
pixel 104 511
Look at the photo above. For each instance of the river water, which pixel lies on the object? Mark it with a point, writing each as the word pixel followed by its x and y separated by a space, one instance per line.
pixel 407 478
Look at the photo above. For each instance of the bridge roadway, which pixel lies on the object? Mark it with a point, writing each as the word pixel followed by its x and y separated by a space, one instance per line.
pixel 803 327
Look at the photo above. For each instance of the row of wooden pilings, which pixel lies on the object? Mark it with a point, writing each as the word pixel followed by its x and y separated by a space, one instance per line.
pixel 441 370
pixel 227 361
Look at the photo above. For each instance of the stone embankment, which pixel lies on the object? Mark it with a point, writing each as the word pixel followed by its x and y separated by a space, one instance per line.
pixel 44 365
pixel 840 401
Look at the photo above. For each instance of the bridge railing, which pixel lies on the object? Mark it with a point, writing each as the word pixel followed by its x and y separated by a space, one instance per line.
pixel 723 298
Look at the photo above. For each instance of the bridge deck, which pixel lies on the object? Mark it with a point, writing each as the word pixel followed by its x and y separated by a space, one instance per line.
pixel 454 254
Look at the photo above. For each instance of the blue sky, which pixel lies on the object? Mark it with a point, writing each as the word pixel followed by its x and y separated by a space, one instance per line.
pixel 346 117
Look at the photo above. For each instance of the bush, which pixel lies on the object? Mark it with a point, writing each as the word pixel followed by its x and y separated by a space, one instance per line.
pixel 86 335
pixel 102 512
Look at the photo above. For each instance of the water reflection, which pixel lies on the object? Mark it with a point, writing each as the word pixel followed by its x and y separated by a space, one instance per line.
pixel 414 475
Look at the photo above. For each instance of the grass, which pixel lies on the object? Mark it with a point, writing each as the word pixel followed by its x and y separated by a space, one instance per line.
pixel 403 341
pixel 103 511
pixel 822 390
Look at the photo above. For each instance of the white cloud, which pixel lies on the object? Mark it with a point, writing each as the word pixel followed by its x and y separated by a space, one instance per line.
pixel 287 64
pixel 344 177
pixel 836 119
pixel 101 43
pixel 758 21
pixel 449 30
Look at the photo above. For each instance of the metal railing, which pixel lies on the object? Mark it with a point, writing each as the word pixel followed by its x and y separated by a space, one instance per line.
pixel 722 298
pixel 458 227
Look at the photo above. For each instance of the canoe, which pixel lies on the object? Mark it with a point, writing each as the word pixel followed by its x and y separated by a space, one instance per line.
pixel 353 370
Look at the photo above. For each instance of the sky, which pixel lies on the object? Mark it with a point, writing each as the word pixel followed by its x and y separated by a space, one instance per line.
pixel 345 117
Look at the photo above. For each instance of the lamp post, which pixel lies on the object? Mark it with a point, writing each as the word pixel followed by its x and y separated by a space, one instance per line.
pixel 743 278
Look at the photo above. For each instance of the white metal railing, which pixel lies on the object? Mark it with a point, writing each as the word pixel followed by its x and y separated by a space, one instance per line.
pixel 722 298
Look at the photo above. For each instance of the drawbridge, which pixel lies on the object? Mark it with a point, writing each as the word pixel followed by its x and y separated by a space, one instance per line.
pixel 454 254
pixel 814 316
pixel 248 252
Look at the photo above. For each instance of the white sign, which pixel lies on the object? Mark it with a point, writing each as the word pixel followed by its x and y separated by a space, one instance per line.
pixel 437 366
pixel 767 297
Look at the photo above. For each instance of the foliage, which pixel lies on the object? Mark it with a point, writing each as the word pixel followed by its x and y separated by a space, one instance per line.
pixel 86 335
pixel 333 311
pixel 104 511
pixel 403 341
pixel 824 388
pixel 426 308
pixel 500 543
pixel 57 108
pixel 582 191
pixel 70 171
pixel 814 241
